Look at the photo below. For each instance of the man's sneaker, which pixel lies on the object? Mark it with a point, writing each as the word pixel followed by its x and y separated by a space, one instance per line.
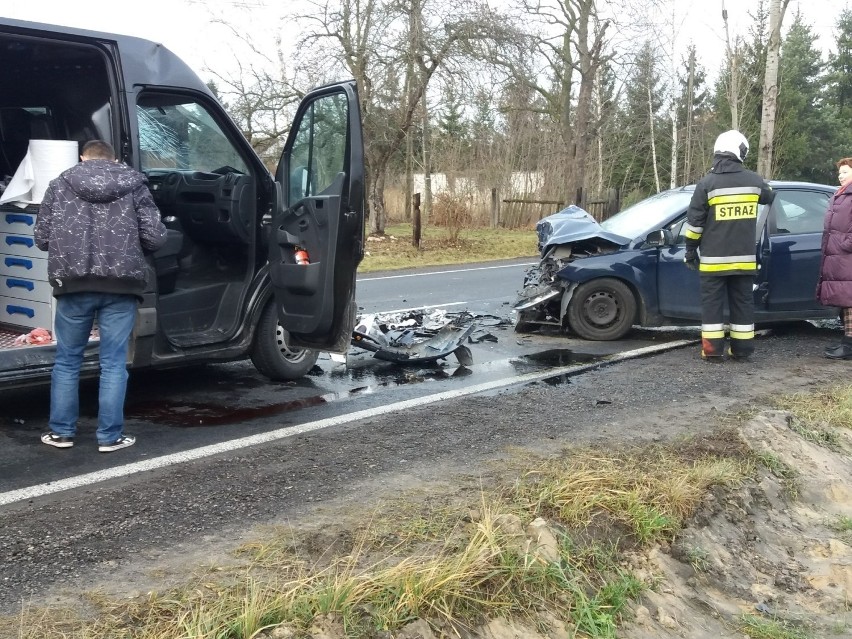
pixel 52 439
pixel 122 442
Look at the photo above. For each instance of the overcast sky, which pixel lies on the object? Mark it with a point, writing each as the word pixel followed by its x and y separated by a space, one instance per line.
pixel 189 27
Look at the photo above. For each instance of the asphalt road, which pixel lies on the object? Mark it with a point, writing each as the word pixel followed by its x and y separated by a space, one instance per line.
pixel 301 471
pixel 483 288
pixel 215 408
pixel 212 436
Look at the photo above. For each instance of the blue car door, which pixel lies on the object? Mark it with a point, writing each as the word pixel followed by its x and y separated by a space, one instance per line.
pixel 789 273
pixel 678 289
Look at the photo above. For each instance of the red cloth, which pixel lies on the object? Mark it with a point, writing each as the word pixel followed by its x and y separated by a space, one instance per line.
pixel 35 336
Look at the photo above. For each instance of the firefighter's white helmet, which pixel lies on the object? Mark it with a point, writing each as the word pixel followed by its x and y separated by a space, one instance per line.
pixel 732 142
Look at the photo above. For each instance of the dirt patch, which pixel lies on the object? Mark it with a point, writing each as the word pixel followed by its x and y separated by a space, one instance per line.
pixel 758 554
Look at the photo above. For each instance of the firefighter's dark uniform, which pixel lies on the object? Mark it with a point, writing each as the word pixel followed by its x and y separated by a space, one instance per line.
pixel 722 224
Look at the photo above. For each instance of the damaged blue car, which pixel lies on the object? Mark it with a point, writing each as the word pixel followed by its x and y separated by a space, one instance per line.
pixel 598 280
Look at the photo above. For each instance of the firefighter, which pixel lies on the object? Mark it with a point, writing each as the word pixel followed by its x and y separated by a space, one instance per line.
pixel 720 235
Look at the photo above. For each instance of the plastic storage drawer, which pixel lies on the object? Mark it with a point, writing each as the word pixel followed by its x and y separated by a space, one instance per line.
pixel 32 268
pixel 28 313
pixel 17 222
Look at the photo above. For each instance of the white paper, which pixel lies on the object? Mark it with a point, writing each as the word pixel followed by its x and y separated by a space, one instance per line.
pixel 44 161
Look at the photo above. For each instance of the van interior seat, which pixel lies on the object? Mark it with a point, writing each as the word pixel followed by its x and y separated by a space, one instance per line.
pixel 41 127
pixel 17 127
pixel 166 261
pixel 14 138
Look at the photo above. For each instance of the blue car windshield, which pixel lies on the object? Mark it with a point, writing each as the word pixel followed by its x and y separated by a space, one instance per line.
pixel 648 215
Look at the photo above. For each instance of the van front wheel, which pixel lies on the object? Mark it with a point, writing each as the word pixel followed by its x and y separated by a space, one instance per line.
pixel 271 355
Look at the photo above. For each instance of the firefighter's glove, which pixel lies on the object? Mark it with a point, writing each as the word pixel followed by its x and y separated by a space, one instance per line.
pixel 691 259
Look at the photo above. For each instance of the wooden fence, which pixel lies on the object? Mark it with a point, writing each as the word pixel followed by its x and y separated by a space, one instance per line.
pixel 515 213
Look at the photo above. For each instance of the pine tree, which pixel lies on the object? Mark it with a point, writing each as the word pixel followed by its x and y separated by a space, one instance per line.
pixel 803 141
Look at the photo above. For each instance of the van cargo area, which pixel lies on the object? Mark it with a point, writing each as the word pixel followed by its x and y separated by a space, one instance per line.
pixel 256 265
pixel 52 90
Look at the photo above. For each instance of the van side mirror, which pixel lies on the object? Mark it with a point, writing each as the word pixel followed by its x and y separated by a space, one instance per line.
pixel 661 237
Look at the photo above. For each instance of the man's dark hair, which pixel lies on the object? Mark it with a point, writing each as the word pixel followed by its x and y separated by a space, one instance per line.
pixel 98 150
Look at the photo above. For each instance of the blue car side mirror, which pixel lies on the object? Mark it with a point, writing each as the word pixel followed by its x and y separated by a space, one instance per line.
pixel 661 237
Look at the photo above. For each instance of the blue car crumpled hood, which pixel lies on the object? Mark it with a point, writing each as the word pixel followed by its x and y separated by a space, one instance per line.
pixel 572 224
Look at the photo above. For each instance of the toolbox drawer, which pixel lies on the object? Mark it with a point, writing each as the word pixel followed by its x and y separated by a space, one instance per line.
pixel 31 268
pixel 17 222
pixel 25 288
pixel 20 244
pixel 27 313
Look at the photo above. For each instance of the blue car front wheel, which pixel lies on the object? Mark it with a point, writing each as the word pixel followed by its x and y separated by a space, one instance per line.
pixel 602 310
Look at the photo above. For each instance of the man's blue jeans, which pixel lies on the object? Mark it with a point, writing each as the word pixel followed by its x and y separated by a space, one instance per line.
pixel 75 315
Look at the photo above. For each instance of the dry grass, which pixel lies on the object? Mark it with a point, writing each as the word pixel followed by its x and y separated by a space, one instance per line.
pixel 441 246
pixel 821 416
pixel 479 569
pixel 650 495
pixel 830 407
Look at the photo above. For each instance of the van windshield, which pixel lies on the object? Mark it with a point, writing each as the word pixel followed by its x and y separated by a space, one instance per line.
pixel 183 137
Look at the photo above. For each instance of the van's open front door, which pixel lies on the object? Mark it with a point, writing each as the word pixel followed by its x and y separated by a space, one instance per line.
pixel 317 234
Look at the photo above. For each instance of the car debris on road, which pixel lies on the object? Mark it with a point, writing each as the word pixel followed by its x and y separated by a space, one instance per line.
pixel 422 335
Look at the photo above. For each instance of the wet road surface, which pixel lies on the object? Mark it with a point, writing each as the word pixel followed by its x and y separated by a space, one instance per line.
pixel 181 410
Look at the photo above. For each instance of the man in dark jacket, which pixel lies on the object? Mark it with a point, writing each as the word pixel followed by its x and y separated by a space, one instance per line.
pixel 96 221
pixel 721 234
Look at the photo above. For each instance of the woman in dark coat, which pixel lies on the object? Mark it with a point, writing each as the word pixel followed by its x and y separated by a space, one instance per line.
pixel 835 271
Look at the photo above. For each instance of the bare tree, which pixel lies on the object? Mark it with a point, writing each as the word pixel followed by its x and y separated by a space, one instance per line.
pixel 261 95
pixel 733 54
pixel 575 48
pixel 690 106
pixel 366 35
pixel 777 8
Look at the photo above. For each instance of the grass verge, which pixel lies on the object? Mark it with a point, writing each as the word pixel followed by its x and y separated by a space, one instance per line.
pixel 546 543
pixel 394 250
pixel 819 411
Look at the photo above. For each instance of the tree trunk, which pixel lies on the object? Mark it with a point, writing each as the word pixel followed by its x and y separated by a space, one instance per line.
pixel 690 99
pixel 409 176
pixel 653 139
pixel 589 57
pixel 734 85
pixel 567 131
pixel 376 199
pixel 673 178
pixel 770 88
pixel 427 164
pixel 599 117
pixel 413 37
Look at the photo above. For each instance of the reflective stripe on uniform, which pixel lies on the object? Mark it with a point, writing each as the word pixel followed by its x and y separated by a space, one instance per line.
pixel 692 232
pixel 726 259
pixel 742 331
pixel 734 190
pixel 738 335
pixel 733 199
pixel 723 268
pixel 712 331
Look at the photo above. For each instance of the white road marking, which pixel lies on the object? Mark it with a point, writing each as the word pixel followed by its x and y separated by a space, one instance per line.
pixel 417 308
pixel 40 490
pixel 461 270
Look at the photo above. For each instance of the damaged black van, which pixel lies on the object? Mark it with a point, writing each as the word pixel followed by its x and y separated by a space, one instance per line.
pixel 256 265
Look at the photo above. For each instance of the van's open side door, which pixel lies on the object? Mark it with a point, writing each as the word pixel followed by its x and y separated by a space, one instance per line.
pixel 320 210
